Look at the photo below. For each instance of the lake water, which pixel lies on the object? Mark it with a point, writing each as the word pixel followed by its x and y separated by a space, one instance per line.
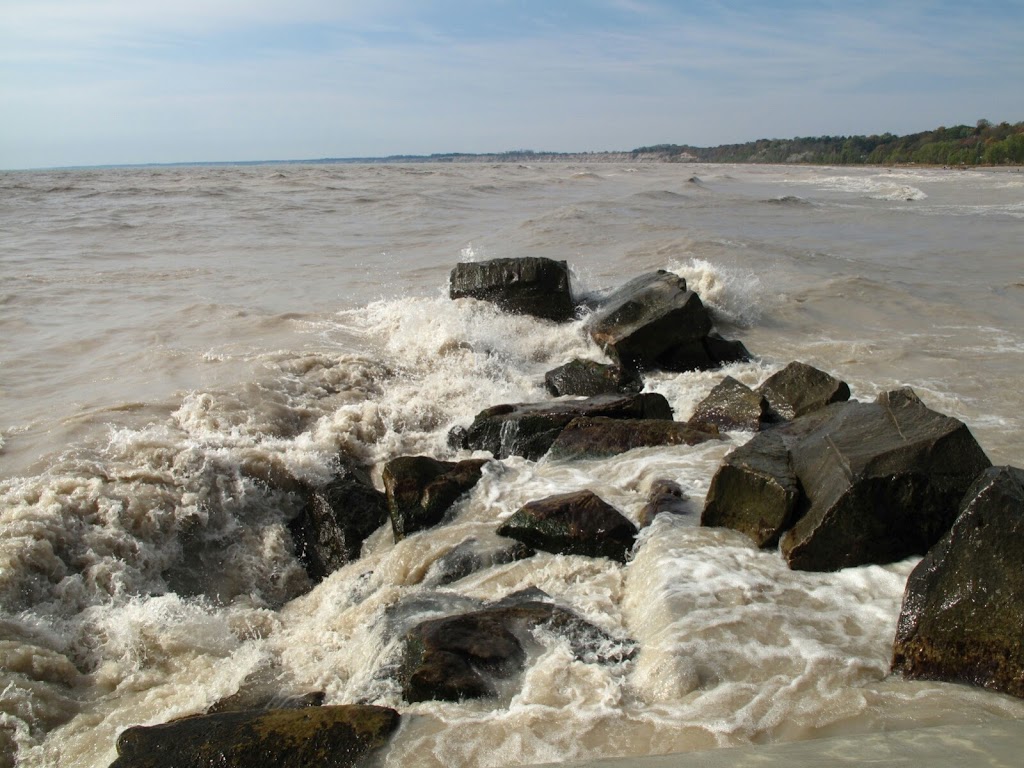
pixel 170 335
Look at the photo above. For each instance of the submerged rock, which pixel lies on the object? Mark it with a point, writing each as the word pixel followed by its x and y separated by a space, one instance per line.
pixel 529 429
pixel 665 497
pixel 849 484
pixel 732 405
pixel 586 378
pixel 590 437
pixel 526 286
pixel 473 555
pixel 963 610
pixel 327 737
pixel 336 519
pixel 461 657
pixel 799 389
pixel 420 489
pixel 578 523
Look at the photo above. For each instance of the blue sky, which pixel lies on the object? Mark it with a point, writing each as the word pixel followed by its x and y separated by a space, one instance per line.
pixel 86 82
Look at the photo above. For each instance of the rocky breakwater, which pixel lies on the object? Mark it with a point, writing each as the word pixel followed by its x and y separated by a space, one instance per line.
pixel 836 483
pixel 833 483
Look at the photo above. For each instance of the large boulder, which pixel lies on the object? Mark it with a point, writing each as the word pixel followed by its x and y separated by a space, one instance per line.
pixel 755 491
pixel 420 489
pixel 882 480
pixel 653 321
pixel 529 429
pixel 461 657
pixel 577 523
pixel 586 378
pixel 525 286
pixel 850 484
pixel 589 437
pixel 963 609
pixel 732 405
pixel 331 737
pixel 647 318
pixel 800 388
pixel 335 520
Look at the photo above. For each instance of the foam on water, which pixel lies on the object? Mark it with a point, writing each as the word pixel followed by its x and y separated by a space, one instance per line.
pixel 146 572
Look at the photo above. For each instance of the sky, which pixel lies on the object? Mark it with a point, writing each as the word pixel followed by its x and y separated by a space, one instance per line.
pixel 95 82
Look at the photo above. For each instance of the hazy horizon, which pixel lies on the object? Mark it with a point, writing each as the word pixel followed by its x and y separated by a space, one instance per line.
pixel 109 82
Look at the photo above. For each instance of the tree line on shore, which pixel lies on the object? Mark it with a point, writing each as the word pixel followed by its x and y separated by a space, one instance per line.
pixel 985 143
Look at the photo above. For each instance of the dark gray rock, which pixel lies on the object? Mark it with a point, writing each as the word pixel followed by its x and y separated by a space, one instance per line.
pixel 589 437
pixel 963 610
pixel 647 318
pixel 472 555
pixel 331 737
pixel 529 429
pixel 578 523
pixel 882 481
pixel 421 489
pixel 850 484
pixel 586 378
pixel 800 388
pixel 732 405
pixel 336 519
pixel 755 491
pixel 665 497
pixel 460 657
pixel 525 286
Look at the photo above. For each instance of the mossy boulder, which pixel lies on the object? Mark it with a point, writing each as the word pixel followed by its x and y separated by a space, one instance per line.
pixel 327 737
pixel 963 610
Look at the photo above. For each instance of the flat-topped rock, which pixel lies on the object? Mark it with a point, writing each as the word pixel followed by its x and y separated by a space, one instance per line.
pixel 331 737
pixel 529 429
pixel 524 286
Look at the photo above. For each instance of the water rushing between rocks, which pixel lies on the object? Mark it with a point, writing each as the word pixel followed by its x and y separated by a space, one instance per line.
pixel 183 343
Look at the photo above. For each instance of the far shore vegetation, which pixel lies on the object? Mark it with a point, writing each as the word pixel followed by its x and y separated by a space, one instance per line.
pixel 982 144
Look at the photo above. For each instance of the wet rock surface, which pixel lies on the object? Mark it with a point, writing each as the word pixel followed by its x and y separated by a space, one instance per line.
pixel 463 657
pixel 529 429
pixel 799 389
pixel 578 523
pixel 732 405
pixel 665 497
pixel 850 484
pixel 525 286
pixel 332 737
pixel 599 436
pixel 335 520
pixel 586 378
pixel 421 489
pixel 962 618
